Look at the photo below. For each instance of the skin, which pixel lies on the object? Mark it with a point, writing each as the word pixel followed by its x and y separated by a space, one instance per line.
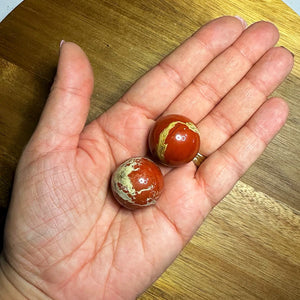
pixel 65 236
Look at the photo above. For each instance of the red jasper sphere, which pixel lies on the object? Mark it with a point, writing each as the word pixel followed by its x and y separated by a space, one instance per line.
pixel 174 140
pixel 138 182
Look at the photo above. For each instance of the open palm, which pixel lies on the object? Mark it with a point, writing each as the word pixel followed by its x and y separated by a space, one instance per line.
pixel 66 235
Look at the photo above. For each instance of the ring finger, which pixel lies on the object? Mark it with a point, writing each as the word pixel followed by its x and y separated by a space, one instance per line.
pixel 244 99
pixel 224 72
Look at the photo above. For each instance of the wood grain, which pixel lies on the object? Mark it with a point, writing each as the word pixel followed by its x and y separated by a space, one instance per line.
pixel 262 246
pixel 248 248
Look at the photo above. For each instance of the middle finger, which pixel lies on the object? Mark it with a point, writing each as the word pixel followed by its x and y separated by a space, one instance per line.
pixel 244 99
pixel 224 72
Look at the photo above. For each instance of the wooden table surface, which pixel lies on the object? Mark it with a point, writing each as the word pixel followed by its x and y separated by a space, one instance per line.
pixel 249 247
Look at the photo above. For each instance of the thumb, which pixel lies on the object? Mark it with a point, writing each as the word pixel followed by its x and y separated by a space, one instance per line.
pixel 66 109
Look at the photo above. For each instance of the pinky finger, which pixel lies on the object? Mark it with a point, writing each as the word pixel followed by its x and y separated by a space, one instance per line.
pixel 224 167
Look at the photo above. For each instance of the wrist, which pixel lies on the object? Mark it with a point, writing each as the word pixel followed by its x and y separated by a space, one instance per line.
pixel 13 286
pixel 8 290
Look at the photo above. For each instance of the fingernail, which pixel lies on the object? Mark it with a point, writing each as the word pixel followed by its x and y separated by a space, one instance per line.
pixel 61 43
pixel 244 23
pixel 288 50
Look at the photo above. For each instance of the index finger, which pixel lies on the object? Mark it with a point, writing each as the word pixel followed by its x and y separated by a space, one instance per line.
pixel 160 86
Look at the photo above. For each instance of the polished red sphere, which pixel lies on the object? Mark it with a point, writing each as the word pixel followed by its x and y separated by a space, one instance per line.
pixel 138 182
pixel 174 140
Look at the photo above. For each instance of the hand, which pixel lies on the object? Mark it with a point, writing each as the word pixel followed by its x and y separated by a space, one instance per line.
pixel 66 237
